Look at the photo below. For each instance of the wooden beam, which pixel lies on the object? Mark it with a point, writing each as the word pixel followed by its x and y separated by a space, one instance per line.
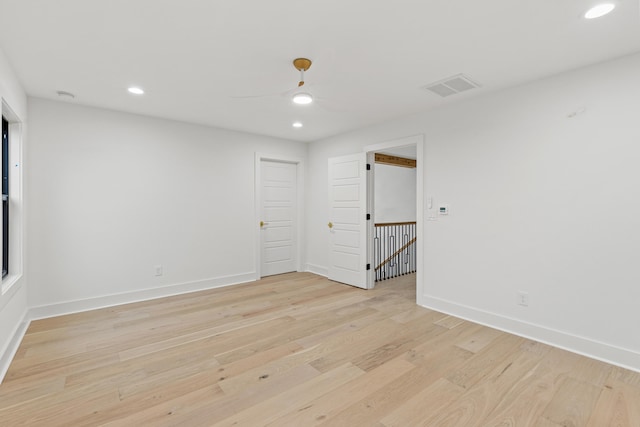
pixel 386 159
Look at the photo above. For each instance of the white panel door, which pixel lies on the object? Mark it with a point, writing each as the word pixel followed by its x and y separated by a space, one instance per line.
pixel 278 194
pixel 347 225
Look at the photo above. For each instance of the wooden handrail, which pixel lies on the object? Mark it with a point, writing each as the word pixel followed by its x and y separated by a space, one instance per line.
pixel 412 241
pixel 387 224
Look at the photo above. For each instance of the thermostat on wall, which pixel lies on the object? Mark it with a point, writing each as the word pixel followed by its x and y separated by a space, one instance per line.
pixel 443 209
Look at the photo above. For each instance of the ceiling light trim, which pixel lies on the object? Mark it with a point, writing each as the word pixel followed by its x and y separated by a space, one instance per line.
pixel 599 10
pixel 135 90
pixel 302 98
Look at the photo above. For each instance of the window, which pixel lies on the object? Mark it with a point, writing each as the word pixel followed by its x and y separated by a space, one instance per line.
pixel 5 197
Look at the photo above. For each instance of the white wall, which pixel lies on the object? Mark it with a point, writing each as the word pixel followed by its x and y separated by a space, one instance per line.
pixel 394 193
pixel 13 297
pixel 541 201
pixel 114 194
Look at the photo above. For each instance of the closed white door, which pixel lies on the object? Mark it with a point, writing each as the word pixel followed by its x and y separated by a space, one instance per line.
pixel 278 193
pixel 347 222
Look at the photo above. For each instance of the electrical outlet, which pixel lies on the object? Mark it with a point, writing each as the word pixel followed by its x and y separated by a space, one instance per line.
pixel 523 298
pixel 158 270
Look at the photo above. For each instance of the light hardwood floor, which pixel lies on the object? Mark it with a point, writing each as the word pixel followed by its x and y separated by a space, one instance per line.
pixel 299 350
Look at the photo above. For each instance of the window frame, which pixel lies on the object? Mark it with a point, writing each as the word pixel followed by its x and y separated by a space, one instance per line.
pixel 16 130
pixel 5 197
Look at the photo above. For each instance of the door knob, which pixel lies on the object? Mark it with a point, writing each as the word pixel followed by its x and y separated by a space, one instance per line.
pixel 330 225
pixel 262 223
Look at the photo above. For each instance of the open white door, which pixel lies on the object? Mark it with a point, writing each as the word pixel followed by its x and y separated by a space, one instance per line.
pixel 347 225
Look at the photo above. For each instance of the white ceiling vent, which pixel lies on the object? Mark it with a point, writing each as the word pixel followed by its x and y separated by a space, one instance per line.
pixel 452 85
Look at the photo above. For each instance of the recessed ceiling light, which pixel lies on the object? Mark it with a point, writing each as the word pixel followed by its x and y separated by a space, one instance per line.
pixel 599 10
pixel 297 125
pixel 302 98
pixel 135 90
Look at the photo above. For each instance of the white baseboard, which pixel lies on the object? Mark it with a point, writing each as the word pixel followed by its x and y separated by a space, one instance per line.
pixel 59 309
pixel 7 356
pixel 622 357
pixel 316 269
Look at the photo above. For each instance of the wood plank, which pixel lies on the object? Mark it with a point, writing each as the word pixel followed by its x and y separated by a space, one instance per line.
pixel 387 159
pixel 626 376
pixel 573 403
pixel 201 406
pixel 168 413
pixel 450 322
pixel 507 379
pixel 478 366
pixel 433 363
pixel 27 370
pixel 149 402
pixel 417 332
pixel 365 340
pixel 297 397
pixel 250 396
pixel 332 403
pixel 618 405
pixel 24 391
pixel 418 409
pixel 525 404
pixel 59 408
pixel 298 349
pixel 479 340
pixel 277 336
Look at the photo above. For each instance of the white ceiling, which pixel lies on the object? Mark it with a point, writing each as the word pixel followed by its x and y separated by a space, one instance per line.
pixel 370 58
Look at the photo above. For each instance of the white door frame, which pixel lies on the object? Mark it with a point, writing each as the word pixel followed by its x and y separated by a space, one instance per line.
pixel 418 141
pixel 299 162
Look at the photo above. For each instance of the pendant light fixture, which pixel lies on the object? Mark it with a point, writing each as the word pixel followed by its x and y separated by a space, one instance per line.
pixel 302 65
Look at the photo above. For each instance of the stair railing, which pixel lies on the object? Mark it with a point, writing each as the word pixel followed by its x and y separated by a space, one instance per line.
pixel 394 249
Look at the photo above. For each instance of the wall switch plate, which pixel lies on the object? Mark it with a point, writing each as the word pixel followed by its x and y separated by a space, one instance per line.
pixel 523 298
pixel 158 270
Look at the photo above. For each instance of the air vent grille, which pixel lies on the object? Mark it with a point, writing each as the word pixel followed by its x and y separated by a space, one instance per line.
pixel 452 85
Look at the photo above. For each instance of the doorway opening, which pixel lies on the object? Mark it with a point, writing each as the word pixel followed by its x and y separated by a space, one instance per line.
pixel 351 224
pixel 395 237
pixel 407 245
